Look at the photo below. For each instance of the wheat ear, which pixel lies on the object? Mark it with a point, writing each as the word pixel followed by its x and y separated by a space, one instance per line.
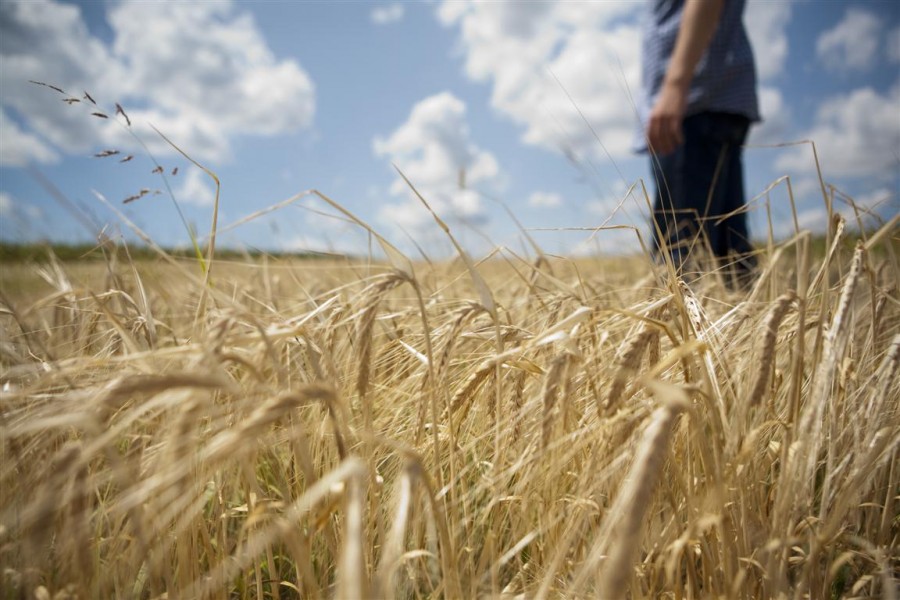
pixel 364 335
pixel 471 384
pixel 619 537
pixel 555 374
pixel 767 354
pixel 628 362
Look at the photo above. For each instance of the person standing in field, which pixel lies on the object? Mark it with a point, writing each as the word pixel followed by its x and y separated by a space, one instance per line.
pixel 699 91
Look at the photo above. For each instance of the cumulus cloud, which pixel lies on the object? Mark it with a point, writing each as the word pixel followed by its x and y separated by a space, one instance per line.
pixel 807 187
pixel 617 199
pixel 608 243
pixel 384 15
pixel 536 55
pixel 766 24
pixel 776 117
pixel 813 218
pixel 893 45
pixel 33 212
pixel 545 200
pixel 12 209
pixel 6 205
pixel 856 135
pixel 874 201
pixel 871 206
pixel 852 43
pixel 196 189
pixel 434 149
pixel 201 72
pixel 309 243
pixel 523 48
pixel 18 148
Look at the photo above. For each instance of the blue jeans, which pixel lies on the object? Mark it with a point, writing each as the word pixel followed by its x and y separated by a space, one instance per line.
pixel 698 183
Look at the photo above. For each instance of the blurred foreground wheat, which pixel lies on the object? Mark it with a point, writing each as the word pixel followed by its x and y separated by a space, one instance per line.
pixel 348 430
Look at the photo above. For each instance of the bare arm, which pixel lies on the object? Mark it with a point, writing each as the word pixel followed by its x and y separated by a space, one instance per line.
pixel 698 24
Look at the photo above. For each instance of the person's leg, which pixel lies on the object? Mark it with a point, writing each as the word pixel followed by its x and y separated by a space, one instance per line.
pixel 729 236
pixel 699 182
pixel 703 172
pixel 736 253
pixel 673 228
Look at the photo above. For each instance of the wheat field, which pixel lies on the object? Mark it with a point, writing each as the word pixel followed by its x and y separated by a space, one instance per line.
pixel 512 428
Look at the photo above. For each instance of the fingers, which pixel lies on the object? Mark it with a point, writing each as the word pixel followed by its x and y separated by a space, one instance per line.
pixel 665 124
pixel 664 133
pixel 656 138
pixel 674 133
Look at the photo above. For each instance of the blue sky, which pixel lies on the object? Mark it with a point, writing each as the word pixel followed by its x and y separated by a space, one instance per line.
pixel 481 104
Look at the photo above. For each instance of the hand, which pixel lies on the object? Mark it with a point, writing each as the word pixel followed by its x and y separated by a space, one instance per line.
pixel 666 119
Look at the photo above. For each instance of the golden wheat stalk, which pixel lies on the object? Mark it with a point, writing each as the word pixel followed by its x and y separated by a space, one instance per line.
pixel 628 364
pixel 552 382
pixel 767 350
pixel 621 532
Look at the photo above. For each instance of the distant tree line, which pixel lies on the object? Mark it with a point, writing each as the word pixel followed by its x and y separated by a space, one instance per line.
pixel 41 252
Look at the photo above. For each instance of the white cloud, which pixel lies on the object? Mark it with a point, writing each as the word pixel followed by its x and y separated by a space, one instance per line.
pixel 201 72
pixel 893 45
pixel 852 43
pixel 875 199
pixel 10 208
pixel 776 115
pixel 522 48
pixel 610 242
pixel 617 200
pixel 545 200
pixel 391 13
pixel 603 207
pixel 7 206
pixel 856 135
pixel 766 24
pixel 33 212
pixel 873 207
pixel 813 218
pixel 308 243
pixel 806 187
pixel 18 148
pixel 197 189
pixel 593 49
pixel 814 214
pixel 434 149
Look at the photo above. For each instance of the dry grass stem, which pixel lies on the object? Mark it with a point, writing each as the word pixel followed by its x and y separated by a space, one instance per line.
pixel 262 434
pixel 767 351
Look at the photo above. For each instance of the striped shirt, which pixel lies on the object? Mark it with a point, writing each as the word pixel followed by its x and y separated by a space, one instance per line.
pixel 724 79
